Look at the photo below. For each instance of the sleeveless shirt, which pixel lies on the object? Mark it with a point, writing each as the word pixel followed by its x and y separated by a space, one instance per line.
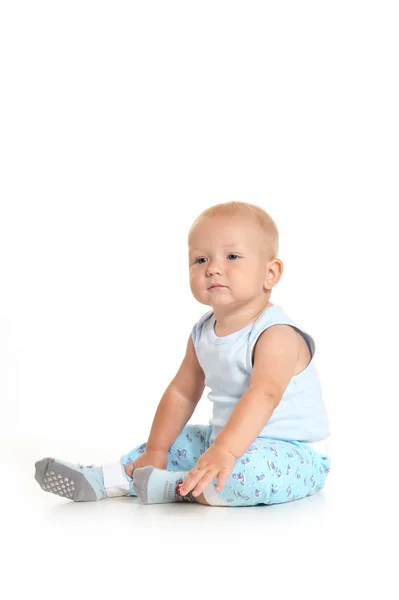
pixel 227 364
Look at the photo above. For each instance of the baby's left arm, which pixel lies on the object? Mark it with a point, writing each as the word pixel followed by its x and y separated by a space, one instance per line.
pixel 275 357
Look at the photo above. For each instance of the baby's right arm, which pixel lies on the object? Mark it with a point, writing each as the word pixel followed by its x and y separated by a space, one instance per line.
pixel 177 403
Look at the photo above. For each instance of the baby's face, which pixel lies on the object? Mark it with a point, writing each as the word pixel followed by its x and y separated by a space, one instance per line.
pixel 230 251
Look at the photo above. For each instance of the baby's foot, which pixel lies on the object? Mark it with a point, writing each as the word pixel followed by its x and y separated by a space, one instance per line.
pixel 156 486
pixel 75 482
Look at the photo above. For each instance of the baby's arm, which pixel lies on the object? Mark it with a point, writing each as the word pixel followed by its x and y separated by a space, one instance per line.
pixel 177 403
pixel 275 359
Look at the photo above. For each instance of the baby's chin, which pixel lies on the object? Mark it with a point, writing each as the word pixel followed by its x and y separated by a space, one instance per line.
pixel 220 298
pixel 207 301
pixel 212 298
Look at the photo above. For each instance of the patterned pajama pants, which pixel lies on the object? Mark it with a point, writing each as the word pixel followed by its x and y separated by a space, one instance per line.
pixel 271 471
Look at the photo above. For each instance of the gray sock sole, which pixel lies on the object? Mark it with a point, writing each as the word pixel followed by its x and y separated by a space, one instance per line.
pixel 63 481
pixel 140 482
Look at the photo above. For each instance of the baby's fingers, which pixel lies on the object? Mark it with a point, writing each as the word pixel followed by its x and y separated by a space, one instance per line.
pixel 206 480
pixel 191 480
pixel 223 477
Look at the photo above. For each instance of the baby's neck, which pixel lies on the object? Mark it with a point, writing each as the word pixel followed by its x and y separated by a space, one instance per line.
pixel 226 323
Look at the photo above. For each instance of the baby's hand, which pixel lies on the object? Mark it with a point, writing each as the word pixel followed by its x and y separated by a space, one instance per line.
pixel 129 469
pixel 153 459
pixel 215 463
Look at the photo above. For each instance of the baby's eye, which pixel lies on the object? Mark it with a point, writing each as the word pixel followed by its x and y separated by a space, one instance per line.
pixel 234 255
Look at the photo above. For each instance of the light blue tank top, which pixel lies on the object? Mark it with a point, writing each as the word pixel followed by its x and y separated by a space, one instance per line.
pixel 227 363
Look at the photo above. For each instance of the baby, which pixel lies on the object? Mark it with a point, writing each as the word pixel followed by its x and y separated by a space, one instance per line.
pixel 267 440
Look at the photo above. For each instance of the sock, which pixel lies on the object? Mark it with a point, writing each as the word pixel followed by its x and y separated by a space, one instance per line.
pixel 157 486
pixel 211 496
pixel 75 482
pixel 116 481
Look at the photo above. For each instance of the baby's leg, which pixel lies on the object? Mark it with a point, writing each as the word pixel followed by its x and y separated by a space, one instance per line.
pixel 155 486
pixel 87 483
pixel 271 472
pixel 182 457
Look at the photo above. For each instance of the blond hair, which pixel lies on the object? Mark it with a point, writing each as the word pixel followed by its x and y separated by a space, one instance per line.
pixel 263 219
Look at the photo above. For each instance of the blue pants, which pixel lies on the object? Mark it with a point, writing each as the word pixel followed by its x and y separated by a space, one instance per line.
pixel 270 471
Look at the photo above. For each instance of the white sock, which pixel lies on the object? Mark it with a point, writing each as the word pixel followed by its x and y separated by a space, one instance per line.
pixel 211 496
pixel 115 481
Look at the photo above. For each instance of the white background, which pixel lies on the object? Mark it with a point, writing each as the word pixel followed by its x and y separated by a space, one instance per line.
pixel 120 122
